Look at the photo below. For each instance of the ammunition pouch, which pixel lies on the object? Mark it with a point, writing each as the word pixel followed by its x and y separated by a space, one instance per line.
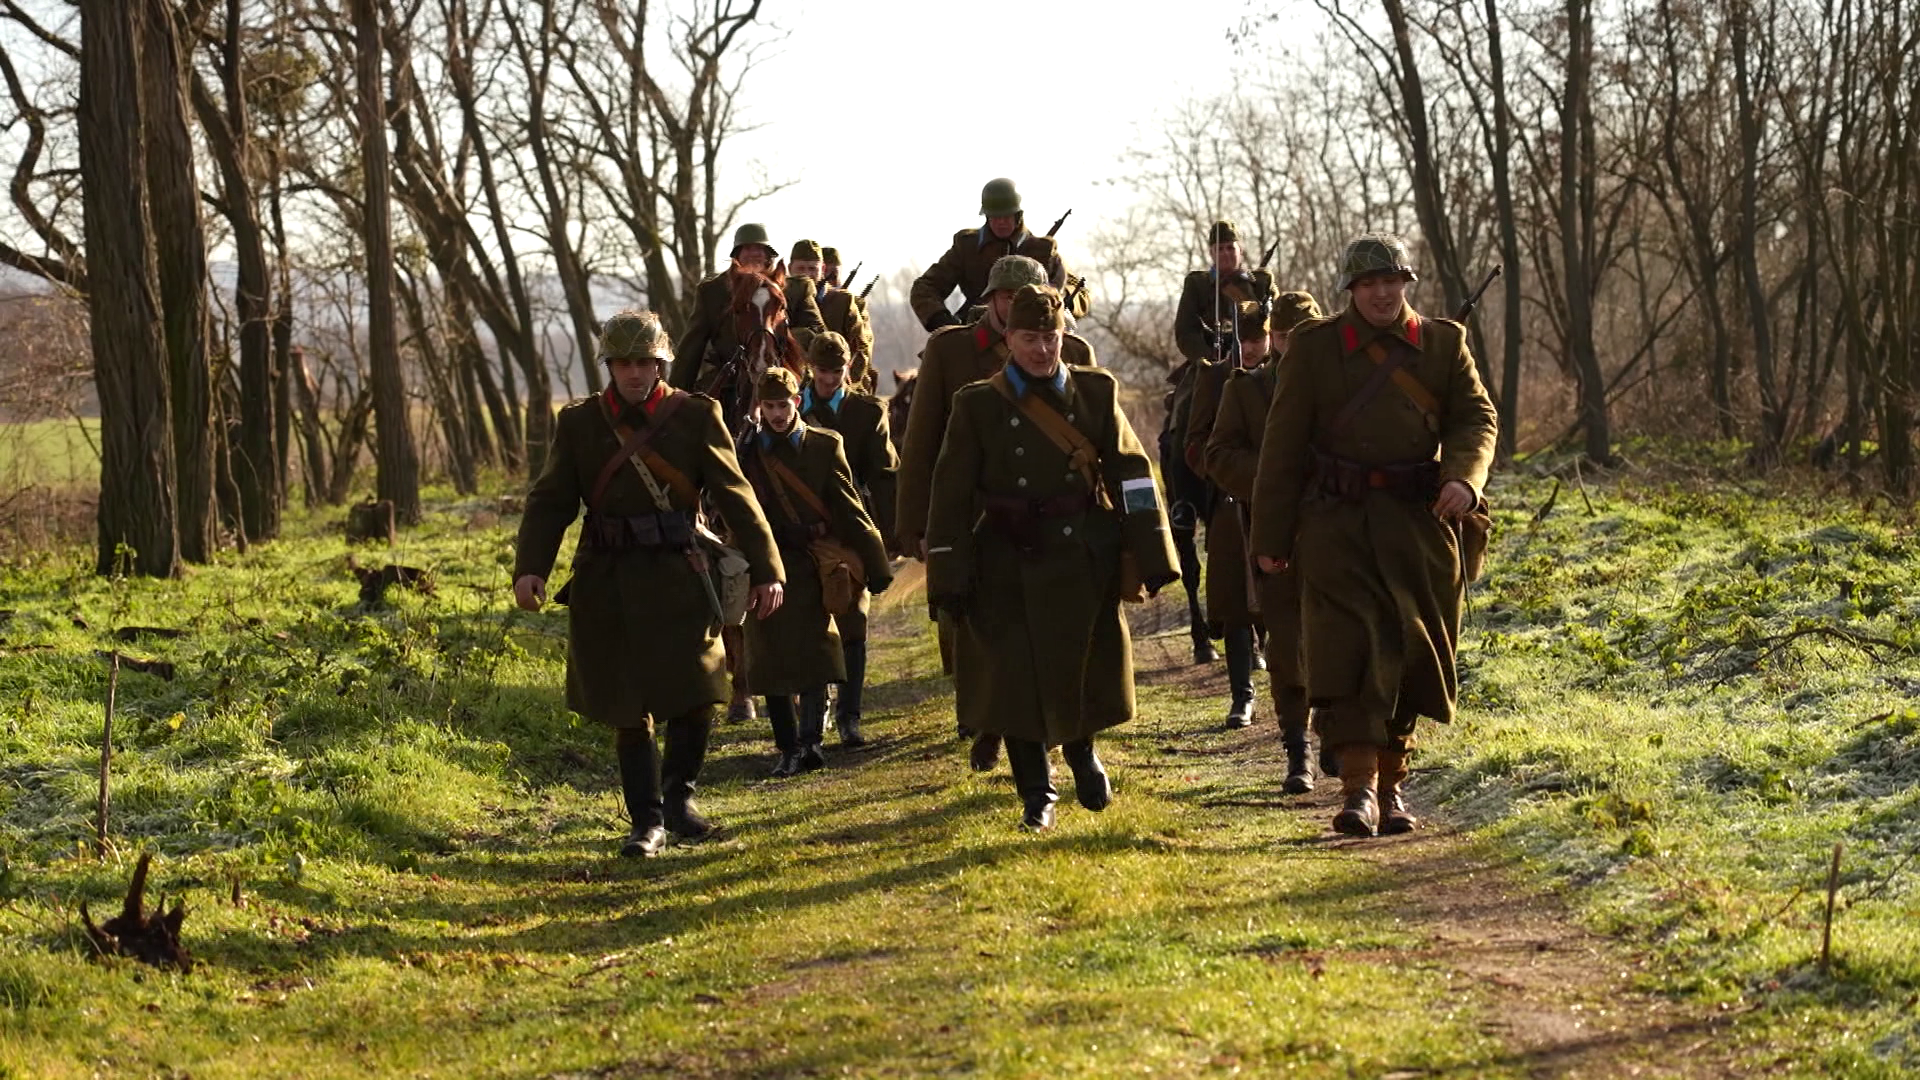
pixel 616 534
pixel 790 537
pixel 1340 480
pixel 1020 520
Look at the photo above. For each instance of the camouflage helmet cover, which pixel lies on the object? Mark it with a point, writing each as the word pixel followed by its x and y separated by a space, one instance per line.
pixel 1011 272
pixel 1375 253
pixel 1037 307
pixel 753 234
pixel 999 198
pixel 776 384
pixel 633 333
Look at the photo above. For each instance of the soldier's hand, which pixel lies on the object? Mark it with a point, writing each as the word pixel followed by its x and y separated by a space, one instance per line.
pixel 939 318
pixel 1455 501
pixel 1271 565
pixel 530 592
pixel 766 599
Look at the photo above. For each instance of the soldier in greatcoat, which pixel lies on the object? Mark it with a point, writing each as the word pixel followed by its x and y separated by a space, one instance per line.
pixel 1370 482
pixel 1045 512
pixel 801 478
pixel 969 261
pixel 829 403
pixel 643 625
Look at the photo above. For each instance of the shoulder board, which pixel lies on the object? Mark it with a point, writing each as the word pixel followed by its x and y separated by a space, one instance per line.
pixel 814 431
pixel 1438 321
pixel 580 403
pixel 946 332
pixel 1308 326
pixel 708 398
pixel 864 397
pixel 966 235
pixel 1091 373
pixel 1044 243
pixel 1198 275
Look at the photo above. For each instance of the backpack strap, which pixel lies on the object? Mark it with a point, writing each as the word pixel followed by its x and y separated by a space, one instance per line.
pixel 634 445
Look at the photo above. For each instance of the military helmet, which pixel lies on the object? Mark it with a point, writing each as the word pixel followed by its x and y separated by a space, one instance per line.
pixel 805 251
pixel 1375 253
pixel 755 235
pixel 633 333
pixel 1291 309
pixel 1010 272
pixel 1037 307
pixel 776 384
pixel 999 198
pixel 829 352
pixel 1223 232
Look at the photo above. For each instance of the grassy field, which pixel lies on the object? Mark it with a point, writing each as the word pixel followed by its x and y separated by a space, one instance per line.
pixel 1627 878
pixel 53 453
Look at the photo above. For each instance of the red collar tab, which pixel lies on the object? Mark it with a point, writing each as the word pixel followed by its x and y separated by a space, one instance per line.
pixel 1413 330
pixel 1349 337
pixel 982 337
pixel 612 396
pixel 654 399
pixel 616 405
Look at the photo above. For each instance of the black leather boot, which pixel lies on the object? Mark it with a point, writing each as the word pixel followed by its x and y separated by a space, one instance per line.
pixel 687 738
pixel 639 758
pixel 1033 780
pixel 1240 676
pixel 846 717
pixel 984 753
pixel 1090 783
pixel 813 723
pixel 1299 769
pixel 1189 555
pixel 786 736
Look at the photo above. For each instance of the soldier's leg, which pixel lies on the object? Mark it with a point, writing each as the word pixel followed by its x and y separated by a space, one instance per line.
pixel 734 640
pixel 1394 758
pixel 639 757
pixel 853 646
pixel 813 722
pixel 1350 727
pixel 1033 780
pixel 1090 783
pixel 786 734
pixel 686 755
pixel 1259 648
pixel 1240 676
pixel 1290 702
pixel 1183 520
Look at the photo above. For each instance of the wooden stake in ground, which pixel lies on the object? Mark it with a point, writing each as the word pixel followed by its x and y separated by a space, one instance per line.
pixel 1833 891
pixel 106 754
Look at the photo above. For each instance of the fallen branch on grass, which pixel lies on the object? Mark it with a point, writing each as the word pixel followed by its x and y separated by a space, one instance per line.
pixel 151 939
pixel 1772 645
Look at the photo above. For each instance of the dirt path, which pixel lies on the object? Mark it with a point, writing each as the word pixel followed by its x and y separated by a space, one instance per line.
pixel 1559 997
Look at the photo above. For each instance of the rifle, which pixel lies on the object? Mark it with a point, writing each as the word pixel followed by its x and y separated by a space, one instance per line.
pixel 1268 257
pixel 1466 309
pixel 848 284
pixel 1057 224
pixel 870 285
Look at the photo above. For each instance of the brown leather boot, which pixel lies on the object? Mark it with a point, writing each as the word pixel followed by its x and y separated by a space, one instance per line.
pixel 1359 770
pixel 1395 818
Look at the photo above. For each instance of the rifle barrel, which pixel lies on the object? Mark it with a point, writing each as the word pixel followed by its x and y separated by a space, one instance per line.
pixel 1060 222
pixel 1466 309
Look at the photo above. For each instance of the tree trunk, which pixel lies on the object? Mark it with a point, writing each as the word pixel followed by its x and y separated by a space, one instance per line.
pixel 1509 240
pixel 181 249
pixel 1773 410
pixel 397 469
pixel 311 438
pixel 1576 228
pixel 138 530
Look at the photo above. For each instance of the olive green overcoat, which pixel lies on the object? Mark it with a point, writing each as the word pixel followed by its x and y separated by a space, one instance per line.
pixel 1229 582
pixel 797 648
pixel 1042 651
pixel 861 423
pixel 642 640
pixel 954 357
pixel 842 313
pixel 1203 305
pixel 1380 581
pixel 1232 459
pixel 970 259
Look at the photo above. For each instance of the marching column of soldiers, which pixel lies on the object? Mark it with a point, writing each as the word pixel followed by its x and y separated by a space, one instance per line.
pixel 743 501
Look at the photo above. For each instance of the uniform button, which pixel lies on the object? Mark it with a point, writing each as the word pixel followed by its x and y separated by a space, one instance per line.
pixel 1069 418
pixel 1019 451
pixel 1015 422
pixel 1022 481
pixel 1066 530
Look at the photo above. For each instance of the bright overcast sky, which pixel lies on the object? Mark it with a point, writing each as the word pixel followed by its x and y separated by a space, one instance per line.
pixel 914 105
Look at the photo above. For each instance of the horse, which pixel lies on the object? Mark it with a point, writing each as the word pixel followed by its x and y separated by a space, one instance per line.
pixel 758 308
pixel 900 404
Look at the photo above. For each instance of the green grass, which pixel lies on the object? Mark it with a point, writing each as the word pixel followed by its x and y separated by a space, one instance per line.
pixel 51 453
pixel 421 833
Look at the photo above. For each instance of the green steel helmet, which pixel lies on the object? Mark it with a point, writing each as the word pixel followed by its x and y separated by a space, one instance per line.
pixel 755 235
pixel 1375 253
pixel 999 198
pixel 1010 272
pixel 634 333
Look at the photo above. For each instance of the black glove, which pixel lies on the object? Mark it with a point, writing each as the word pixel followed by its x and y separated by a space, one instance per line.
pixel 940 317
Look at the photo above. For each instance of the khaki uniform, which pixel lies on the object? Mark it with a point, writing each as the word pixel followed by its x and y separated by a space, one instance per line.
pixel 967 263
pixel 844 314
pixel 796 648
pixel 861 423
pixel 1228 600
pixel 711 339
pixel 642 642
pixel 954 357
pixel 1232 459
pixel 1042 651
pixel 1200 307
pixel 1380 579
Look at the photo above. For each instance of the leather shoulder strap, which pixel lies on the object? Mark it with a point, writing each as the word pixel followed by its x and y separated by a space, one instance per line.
pixel 786 478
pixel 1062 434
pixel 634 445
